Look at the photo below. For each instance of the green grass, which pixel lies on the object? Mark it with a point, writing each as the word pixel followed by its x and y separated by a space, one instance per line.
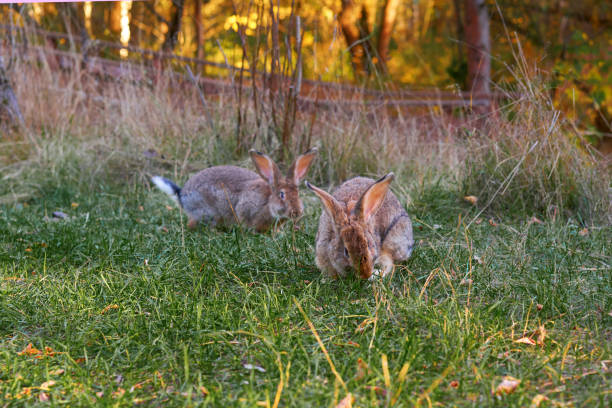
pixel 193 308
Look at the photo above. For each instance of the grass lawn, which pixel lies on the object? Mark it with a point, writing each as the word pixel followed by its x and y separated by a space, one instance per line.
pixel 122 305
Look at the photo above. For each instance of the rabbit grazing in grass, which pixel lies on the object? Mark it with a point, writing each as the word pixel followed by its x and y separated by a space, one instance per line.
pixel 363 226
pixel 226 195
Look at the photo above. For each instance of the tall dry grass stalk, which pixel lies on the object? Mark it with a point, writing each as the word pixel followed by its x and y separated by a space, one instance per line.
pixel 533 160
pixel 91 130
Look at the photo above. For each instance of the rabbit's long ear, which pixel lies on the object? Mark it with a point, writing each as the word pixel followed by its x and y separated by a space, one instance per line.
pixel 331 205
pixel 265 166
pixel 373 197
pixel 299 169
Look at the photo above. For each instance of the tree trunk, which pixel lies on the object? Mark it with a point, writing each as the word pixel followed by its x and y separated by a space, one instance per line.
pixel 349 22
pixel 174 27
pixel 386 25
pixel 199 29
pixel 478 50
pixel 9 107
pixel 459 27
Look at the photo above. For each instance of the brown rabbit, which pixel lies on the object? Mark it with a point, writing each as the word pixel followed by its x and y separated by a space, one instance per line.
pixel 226 195
pixel 363 225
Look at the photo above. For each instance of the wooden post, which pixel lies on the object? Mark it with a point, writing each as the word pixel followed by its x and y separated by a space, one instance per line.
pixel 8 102
pixel 478 46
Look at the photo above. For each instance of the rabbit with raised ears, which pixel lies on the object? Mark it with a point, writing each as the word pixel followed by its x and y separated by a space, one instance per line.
pixel 363 228
pixel 226 195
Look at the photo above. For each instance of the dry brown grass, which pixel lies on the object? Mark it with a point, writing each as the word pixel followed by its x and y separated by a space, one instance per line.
pixel 89 129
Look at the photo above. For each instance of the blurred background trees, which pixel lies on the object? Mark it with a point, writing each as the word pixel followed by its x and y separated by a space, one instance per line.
pixel 446 44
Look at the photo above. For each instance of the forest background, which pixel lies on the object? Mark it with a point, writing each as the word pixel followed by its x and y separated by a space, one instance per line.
pixel 384 44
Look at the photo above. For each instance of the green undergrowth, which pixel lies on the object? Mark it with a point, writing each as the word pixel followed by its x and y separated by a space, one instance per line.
pixel 123 305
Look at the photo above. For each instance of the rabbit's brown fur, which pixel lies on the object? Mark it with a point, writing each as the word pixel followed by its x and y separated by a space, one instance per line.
pixel 226 195
pixel 363 225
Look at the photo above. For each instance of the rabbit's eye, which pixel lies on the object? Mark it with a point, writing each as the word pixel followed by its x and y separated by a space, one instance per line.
pixel 346 254
pixel 281 195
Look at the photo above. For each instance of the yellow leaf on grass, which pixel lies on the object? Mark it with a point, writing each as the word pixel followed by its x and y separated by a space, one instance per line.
pixel 471 199
pixel 29 350
pixel 362 326
pixel 526 340
pixel 46 385
pixel 74 205
pixel 537 400
pixel 109 307
pixel 507 386
pixel 347 402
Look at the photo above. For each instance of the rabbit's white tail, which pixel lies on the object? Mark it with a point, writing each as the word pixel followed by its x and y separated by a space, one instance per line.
pixel 168 187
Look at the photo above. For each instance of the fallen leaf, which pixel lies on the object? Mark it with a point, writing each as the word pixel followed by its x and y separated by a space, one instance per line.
pixel 471 199
pixel 43 396
pixel 203 390
pixel 492 222
pixel 537 400
pixel 526 340
pixel 362 326
pixel 535 220
pixel 541 335
pixel 169 208
pixel 583 232
pixel 478 221
pixel 362 369
pixel 59 371
pixel 49 351
pixel 507 386
pixel 119 393
pixel 539 306
pixel 46 385
pixel 109 307
pixel 25 392
pixel 454 384
pixel 29 350
pixel 74 205
pixel 254 367
pixel 346 402
pixel 80 360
